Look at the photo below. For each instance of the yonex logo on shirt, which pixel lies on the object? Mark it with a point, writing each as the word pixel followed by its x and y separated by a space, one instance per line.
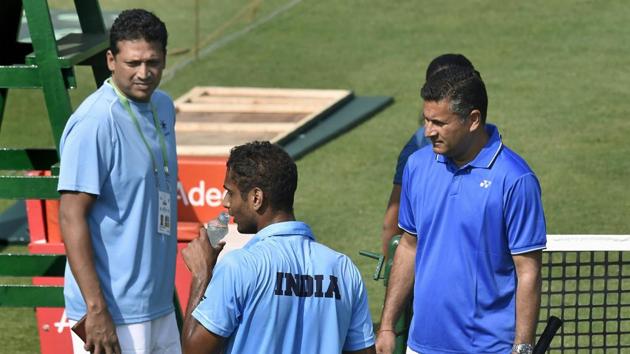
pixel 485 183
pixel 288 284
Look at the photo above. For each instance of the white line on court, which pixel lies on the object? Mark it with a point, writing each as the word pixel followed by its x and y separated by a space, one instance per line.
pixel 170 72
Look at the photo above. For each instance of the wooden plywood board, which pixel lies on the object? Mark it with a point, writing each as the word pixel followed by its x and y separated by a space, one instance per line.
pixel 211 120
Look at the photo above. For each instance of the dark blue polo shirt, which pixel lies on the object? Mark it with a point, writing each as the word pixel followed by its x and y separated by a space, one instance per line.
pixel 469 222
pixel 415 143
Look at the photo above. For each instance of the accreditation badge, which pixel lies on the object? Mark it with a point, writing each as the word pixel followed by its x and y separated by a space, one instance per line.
pixel 164 214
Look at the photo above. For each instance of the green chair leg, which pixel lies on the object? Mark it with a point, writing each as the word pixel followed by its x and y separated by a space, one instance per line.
pixel 3 102
pixel 402 325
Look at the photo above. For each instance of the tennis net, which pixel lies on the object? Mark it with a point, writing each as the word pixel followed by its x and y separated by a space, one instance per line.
pixel 586 282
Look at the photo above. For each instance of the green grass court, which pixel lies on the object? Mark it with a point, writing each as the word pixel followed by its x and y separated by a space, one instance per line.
pixel 556 74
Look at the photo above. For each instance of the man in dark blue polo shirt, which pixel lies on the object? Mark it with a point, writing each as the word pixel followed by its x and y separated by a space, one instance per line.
pixel 474 232
pixel 416 142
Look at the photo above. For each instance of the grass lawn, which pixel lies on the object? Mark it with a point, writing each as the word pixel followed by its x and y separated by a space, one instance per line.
pixel 554 71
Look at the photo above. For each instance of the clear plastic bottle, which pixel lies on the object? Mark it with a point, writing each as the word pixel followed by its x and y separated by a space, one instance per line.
pixel 217 228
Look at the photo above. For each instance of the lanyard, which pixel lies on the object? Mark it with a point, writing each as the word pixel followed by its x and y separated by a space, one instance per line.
pixel 127 105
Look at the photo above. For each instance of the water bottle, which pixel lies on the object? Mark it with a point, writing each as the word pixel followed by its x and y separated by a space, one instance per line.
pixel 217 228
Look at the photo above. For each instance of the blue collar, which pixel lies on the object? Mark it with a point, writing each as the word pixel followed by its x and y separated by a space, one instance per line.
pixel 286 228
pixel 488 153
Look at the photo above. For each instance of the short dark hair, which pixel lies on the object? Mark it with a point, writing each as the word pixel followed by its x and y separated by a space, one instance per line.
pixel 463 87
pixel 444 61
pixel 137 24
pixel 268 167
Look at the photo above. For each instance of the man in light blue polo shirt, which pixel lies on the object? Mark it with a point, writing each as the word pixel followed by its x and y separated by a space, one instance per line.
pixel 281 293
pixel 474 232
pixel 118 182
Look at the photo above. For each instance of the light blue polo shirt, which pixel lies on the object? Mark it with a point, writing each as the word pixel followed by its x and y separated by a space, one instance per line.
pixel 285 293
pixel 469 222
pixel 103 154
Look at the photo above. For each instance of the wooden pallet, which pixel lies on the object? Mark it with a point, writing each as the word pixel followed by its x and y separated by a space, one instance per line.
pixel 212 120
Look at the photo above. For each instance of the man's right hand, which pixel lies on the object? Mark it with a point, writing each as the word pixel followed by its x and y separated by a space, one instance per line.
pixel 200 257
pixel 100 333
pixel 385 342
